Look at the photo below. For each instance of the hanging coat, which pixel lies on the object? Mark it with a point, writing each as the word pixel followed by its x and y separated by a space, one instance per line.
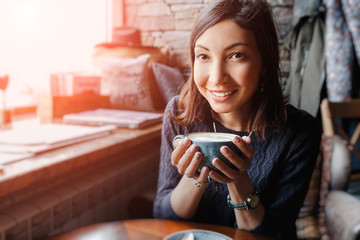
pixel 307 73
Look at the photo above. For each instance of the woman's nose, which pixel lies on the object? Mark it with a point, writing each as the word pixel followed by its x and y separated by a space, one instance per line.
pixel 218 73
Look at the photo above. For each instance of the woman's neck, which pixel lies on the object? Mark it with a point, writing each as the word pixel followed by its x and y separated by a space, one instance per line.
pixel 237 122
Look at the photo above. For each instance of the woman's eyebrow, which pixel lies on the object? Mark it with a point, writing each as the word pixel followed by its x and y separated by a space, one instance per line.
pixel 227 48
pixel 237 44
pixel 201 46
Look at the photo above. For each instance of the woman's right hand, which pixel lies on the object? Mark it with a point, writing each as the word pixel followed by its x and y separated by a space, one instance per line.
pixel 186 158
pixel 185 198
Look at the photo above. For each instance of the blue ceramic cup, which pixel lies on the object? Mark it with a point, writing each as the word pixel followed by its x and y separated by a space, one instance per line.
pixel 209 144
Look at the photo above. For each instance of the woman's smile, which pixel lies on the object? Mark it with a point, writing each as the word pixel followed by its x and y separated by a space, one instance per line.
pixel 221 96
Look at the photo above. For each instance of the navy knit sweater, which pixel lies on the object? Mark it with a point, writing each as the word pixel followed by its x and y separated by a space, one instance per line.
pixel 280 171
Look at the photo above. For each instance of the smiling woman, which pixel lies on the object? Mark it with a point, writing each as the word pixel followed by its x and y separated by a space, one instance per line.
pixel 234 87
pixel 40 37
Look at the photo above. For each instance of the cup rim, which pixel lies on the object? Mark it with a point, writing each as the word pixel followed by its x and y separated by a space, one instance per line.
pixel 229 134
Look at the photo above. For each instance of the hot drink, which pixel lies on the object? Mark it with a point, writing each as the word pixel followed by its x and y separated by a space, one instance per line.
pixel 211 137
pixel 209 144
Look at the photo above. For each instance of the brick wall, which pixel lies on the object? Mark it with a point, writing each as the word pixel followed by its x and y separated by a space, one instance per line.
pixel 168 22
pixel 98 193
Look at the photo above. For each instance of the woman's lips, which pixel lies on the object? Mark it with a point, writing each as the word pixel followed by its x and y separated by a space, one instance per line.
pixel 221 96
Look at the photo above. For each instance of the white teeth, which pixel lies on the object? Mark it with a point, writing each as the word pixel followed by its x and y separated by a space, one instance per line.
pixel 222 94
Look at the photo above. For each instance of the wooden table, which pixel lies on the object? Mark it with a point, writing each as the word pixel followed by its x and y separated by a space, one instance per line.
pixel 149 229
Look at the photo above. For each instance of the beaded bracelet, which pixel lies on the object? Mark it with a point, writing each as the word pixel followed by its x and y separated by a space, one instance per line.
pixel 238 206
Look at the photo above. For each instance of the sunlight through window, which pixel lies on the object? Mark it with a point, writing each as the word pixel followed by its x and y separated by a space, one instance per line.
pixel 41 37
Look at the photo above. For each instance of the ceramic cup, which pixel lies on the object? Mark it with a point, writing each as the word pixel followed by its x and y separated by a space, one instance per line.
pixel 209 144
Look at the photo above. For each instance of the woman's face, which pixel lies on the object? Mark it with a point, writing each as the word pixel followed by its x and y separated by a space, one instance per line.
pixel 227 67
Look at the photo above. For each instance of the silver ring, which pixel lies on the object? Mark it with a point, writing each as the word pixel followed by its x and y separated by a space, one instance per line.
pixel 198 184
pixel 177 137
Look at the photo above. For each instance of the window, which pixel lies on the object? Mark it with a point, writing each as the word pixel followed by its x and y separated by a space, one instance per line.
pixel 40 37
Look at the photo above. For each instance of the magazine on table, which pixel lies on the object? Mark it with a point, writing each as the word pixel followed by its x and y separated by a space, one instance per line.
pixel 120 118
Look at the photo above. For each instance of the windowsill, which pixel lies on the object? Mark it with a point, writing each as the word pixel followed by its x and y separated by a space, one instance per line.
pixel 19 114
pixel 24 173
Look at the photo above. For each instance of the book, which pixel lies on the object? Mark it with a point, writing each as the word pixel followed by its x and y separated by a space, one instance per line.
pixel 120 118
pixel 44 137
pixel 6 158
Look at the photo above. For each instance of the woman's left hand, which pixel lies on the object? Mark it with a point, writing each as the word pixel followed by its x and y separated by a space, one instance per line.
pixel 241 163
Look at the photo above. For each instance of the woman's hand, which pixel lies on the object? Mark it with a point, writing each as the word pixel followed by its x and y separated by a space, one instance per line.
pixel 186 158
pixel 241 163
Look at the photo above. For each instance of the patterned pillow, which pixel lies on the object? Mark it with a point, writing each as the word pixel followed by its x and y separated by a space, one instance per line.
pixel 157 54
pixel 126 81
pixel 169 80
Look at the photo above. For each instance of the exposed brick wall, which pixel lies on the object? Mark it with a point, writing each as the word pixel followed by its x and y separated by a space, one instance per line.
pixel 101 192
pixel 169 22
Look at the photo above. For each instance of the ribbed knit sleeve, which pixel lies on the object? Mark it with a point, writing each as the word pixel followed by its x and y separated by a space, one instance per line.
pixel 168 175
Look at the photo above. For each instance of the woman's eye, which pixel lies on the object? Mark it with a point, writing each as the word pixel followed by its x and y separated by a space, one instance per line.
pixel 202 57
pixel 238 55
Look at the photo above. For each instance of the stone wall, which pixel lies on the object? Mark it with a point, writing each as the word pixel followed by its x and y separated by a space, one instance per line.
pixel 169 22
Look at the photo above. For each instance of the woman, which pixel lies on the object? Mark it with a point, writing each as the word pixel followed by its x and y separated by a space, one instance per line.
pixel 234 88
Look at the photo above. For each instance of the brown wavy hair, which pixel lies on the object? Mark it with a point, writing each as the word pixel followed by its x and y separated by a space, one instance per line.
pixel 268 103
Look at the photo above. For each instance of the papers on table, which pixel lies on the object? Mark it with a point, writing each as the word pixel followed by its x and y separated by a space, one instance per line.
pixel 12 157
pixel 120 118
pixel 28 139
pixel 20 143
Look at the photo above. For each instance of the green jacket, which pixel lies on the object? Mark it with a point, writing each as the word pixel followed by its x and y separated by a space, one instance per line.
pixel 307 71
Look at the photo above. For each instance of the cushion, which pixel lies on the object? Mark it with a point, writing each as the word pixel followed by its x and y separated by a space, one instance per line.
pixel 157 54
pixel 331 172
pixel 340 168
pixel 125 81
pixel 169 80
pixel 335 158
pixel 342 215
pixel 306 223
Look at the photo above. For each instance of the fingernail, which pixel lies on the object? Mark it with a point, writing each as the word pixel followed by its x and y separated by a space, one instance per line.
pixel 237 139
pixel 193 147
pixel 186 141
pixel 225 150
pixel 214 162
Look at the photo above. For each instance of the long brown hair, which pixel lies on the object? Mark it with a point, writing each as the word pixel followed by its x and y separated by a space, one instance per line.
pixel 268 108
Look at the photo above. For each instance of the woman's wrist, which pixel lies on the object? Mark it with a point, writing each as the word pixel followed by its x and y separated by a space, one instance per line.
pixel 185 198
pixel 241 188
